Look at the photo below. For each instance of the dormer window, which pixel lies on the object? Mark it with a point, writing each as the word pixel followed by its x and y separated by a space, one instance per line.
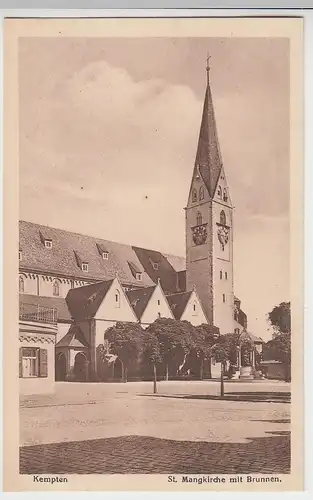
pixel 105 255
pixel 135 270
pixel 48 244
pixel 85 267
pixel 155 266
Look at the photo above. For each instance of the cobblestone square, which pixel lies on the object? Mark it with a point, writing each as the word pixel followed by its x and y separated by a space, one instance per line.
pixel 185 428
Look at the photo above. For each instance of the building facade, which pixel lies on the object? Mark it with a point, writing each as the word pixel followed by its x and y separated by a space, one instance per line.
pixel 37 334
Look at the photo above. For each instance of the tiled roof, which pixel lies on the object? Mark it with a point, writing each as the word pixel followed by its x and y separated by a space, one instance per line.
pixel 178 302
pixel 57 303
pixel 139 299
pixel 163 270
pixel 83 302
pixel 69 250
pixel 73 338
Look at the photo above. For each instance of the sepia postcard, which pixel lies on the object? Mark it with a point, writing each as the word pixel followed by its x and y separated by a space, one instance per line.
pixel 153 298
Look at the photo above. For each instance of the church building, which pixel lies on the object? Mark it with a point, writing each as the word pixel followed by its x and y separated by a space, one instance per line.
pixel 91 283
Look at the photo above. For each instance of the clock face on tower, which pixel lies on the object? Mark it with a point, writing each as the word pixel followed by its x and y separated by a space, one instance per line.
pixel 223 235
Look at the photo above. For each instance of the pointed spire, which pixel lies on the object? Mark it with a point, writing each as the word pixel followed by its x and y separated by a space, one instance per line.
pixel 208 158
pixel 208 68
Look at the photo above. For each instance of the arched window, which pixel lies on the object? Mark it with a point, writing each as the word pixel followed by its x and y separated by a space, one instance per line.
pixel 21 284
pixel 225 195
pixel 199 219
pixel 56 288
pixel 117 298
pixel 223 218
pixel 201 193
pixel 219 192
pixel 194 195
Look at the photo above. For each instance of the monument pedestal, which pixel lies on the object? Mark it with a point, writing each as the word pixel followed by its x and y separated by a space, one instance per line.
pixel 246 373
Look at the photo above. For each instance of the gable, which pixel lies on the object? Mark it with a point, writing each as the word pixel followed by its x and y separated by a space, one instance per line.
pixel 115 305
pixel 157 307
pixel 193 311
pixel 222 194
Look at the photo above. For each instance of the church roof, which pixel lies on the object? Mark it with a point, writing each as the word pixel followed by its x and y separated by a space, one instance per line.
pixel 73 338
pixel 160 266
pixel 57 303
pixel 139 299
pixel 178 303
pixel 208 157
pixel 69 250
pixel 83 302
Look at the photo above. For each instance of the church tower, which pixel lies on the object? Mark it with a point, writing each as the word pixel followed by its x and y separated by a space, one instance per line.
pixel 209 226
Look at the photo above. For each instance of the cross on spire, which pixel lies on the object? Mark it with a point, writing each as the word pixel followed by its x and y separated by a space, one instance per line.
pixel 208 65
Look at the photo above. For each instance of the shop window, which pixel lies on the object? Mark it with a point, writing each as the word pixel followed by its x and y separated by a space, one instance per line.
pixel 33 362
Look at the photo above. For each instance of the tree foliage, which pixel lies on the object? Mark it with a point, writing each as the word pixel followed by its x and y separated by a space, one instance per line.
pixel 280 345
pixel 126 341
pixel 175 338
pixel 280 318
pixel 204 338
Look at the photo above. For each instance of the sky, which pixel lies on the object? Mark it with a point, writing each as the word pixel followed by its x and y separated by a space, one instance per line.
pixel 108 138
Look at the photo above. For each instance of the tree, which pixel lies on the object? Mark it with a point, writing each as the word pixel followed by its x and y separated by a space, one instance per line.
pixel 205 336
pixel 280 318
pixel 126 342
pixel 221 351
pixel 175 338
pixel 152 355
pixel 280 345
